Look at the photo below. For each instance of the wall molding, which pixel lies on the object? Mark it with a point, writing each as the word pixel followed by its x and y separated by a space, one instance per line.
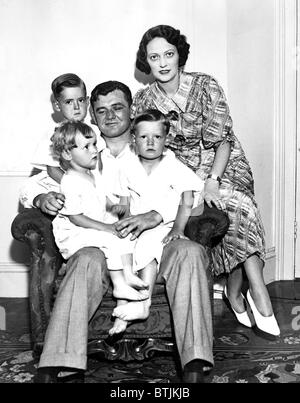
pixel 285 137
pixel 297 54
pixel 15 173
pixel 270 253
pixel 11 267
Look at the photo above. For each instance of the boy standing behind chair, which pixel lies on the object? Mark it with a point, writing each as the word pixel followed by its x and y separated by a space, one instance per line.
pixel 71 101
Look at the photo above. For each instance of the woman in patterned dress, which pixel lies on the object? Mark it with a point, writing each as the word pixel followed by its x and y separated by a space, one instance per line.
pixel 202 137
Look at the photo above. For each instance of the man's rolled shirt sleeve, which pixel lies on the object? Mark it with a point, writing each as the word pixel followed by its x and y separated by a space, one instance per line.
pixel 36 185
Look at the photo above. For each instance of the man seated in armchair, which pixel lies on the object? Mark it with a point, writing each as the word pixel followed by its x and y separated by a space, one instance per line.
pixel 183 265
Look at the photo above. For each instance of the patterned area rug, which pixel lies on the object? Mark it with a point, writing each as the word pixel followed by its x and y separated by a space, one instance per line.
pixel 241 355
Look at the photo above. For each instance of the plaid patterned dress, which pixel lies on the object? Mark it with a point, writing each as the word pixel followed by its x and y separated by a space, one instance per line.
pixel 200 121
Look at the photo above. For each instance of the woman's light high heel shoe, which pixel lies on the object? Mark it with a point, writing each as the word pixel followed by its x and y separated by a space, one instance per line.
pixel 267 324
pixel 243 317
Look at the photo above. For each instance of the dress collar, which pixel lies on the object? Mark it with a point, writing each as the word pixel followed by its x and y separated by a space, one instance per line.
pixel 179 100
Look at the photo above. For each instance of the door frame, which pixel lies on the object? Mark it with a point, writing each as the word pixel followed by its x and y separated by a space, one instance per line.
pixel 297 223
pixel 285 129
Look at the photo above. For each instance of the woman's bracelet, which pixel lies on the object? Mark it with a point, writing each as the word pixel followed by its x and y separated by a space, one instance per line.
pixel 214 177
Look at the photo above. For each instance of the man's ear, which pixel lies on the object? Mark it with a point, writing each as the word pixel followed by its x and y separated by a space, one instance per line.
pixel 93 118
pixel 66 155
pixel 132 143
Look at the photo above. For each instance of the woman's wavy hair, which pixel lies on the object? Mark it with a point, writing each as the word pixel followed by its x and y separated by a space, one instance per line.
pixel 171 35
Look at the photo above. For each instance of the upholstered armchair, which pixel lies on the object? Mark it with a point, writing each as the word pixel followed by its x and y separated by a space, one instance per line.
pixel 141 339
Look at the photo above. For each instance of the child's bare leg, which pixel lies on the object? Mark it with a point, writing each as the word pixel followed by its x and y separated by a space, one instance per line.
pixel 121 290
pixel 119 324
pixel 133 279
pixel 139 310
pixel 130 277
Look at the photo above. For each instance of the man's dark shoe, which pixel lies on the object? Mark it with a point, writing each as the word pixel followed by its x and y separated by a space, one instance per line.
pixel 193 372
pixel 46 375
pixel 193 377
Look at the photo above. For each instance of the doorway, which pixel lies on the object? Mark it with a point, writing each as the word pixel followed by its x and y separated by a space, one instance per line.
pixel 297 182
pixel 287 140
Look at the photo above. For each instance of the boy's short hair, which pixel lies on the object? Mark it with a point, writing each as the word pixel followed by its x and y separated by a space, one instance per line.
pixel 67 80
pixel 64 136
pixel 109 86
pixel 151 115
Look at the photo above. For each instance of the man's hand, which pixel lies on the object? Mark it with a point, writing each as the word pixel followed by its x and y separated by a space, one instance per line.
pixel 111 228
pixel 137 224
pixel 49 203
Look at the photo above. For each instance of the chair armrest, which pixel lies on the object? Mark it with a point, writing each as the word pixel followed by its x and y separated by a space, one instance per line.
pixel 35 228
pixel 209 228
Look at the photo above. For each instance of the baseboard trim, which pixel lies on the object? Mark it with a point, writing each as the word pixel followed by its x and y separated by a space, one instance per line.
pixel 16 174
pixel 8 267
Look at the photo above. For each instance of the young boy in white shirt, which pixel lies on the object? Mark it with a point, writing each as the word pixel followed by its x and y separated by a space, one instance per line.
pixel 155 175
pixel 82 222
pixel 70 100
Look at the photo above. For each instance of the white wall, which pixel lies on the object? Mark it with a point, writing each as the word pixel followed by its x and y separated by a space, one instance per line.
pixel 98 40
pixel 13 254
pixel 251 33
pixel 39 39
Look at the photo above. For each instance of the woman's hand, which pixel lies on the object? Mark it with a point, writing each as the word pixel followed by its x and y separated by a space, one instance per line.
pixel 172 235
pixel 212 194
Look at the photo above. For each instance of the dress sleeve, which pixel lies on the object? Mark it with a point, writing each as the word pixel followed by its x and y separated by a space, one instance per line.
pixel 136 104
pixel 36 185
pixel 141 101
pixel 217 122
